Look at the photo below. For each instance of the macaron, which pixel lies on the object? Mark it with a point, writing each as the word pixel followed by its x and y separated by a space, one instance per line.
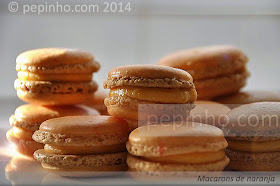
pixel 28 118
pixel 164 90
pixel 251 96
pixel 55 76
pixel 253 135
pixel 216 70
pixel 97 102
pixel 176 148
pixel 82 145
pixel 208 112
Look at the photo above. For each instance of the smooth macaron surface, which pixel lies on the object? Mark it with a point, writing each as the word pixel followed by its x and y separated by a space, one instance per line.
pixel 213 69
pixel 175 139
pixel 208 112
pixel 246 97
pixel 207 62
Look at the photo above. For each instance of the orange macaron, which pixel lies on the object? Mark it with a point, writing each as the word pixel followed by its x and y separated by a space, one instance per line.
pixel 216 70
pixel 172 148
pixel 82 145
pixel 160 89
pixel 249 96
pixel 209 112
pixel 28 118
pixel 55 76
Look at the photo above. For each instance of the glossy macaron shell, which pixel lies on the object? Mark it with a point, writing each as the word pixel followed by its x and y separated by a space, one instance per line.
pixel 246 97
pixel 148 76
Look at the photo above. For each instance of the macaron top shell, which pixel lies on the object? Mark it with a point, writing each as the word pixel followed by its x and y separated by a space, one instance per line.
pixel 56 60
pixel 206 58
pixel 82 131
pixel 256 121
pixel 85 126
pixel 246 97
pixel 37 114
pixel 176 135
pixel 147 75
pixel 54 56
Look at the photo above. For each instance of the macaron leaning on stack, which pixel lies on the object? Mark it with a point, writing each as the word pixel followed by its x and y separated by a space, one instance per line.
pixel 164 90
pixel 82 145
pixel 55 76
pixel 28 118
pixel 249 96
pixel 216 70
pixel 253 135
pixel 169 148
pixel 208 112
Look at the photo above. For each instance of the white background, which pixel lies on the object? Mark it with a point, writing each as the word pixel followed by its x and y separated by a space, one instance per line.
pixel 152 30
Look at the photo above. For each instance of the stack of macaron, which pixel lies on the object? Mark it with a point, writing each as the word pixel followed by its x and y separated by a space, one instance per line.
pixel 52 81
pixel 193 146
pixel 160 90
pixel 82 145
pixel 216 70
pixel 253 135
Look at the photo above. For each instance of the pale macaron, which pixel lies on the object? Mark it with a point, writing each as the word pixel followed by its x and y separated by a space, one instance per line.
pixel 82 145
pixel 208 112
pixel 250 96
pixel 160 89
pixel 253 135
pixel 28 118
pixel 176 148
pixel 216 70
pixel 55 76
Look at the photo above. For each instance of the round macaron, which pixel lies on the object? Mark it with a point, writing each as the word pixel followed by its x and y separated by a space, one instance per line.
pixel 253 135
pixel 82 144
pixel 208 112
pixel 164 90
pixel 246 97
pixel 55 76
pixel 170 147
pixel 97 102
pixel 216 70
pixel 28 118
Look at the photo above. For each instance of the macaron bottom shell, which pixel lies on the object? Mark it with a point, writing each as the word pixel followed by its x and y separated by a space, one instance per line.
pixel 141 165
pixel 82 165
pixel 253 161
